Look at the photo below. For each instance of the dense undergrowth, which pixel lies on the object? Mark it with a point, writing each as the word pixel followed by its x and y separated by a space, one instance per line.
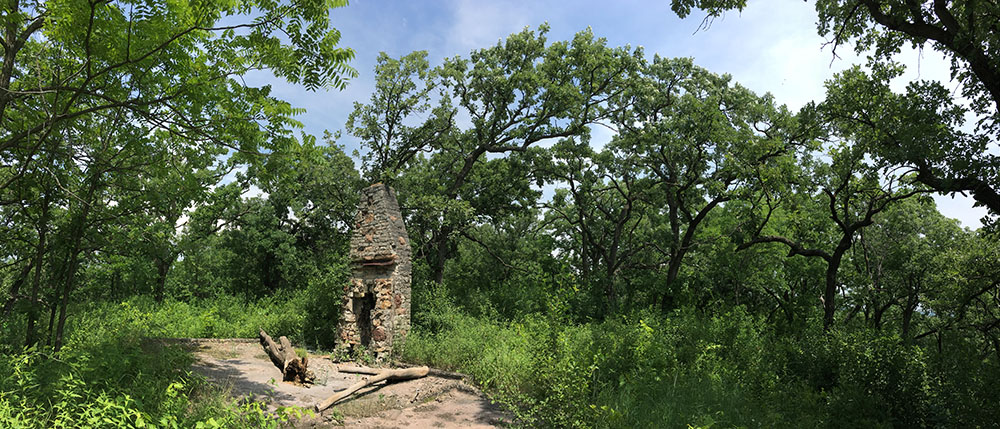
pixel 639 370
pixel 692 370
pixel 113 372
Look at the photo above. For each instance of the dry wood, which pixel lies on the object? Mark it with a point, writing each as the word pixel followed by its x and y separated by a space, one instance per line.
pixel 357 369
pixel 350 369
pixel 283 357
pixel 388 374
pixel 447 374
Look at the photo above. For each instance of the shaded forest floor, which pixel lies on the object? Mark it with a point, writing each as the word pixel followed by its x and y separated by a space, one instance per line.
pixel 242 370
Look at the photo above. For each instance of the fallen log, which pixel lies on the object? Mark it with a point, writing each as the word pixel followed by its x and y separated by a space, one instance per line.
pixel 350 369
pixel 384 375
pixel 283 356
pixel 358 369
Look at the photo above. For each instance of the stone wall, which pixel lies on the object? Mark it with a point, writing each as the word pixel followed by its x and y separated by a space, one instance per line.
pixel 376 301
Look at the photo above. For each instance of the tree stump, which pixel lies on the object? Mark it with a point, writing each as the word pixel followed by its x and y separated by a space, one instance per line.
pixel 283 356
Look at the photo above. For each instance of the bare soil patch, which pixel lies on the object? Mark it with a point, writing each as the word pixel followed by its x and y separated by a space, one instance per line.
pixel 240 367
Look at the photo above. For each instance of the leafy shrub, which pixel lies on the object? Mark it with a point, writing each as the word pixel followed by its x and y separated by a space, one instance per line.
pixel 119 383
pixel 687 369
pixel 109 374
pixel 321 305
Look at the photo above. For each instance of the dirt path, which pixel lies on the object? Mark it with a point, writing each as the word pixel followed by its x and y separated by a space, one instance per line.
pixel 241 367
pixel 453 409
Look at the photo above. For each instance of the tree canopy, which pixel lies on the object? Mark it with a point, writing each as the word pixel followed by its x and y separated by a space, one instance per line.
pixel 117 116
pixel 923 129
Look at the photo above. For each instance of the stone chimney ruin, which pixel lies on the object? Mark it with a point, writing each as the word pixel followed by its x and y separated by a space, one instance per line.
pixel 376 301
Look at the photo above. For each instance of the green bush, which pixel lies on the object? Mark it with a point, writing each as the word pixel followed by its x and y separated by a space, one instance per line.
pixel 321 305
pixel 116 380
pixel 641 371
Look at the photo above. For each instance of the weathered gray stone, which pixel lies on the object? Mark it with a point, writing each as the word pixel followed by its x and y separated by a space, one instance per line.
pixel 376 302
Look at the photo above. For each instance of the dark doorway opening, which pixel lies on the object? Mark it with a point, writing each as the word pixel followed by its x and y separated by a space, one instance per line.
pixel 363 311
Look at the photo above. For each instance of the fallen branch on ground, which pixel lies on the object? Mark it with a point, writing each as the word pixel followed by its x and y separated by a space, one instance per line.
pixel 372 371
pixel 388 374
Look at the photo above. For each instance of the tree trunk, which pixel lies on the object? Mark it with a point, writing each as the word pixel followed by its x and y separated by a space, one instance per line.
pixel 830 292
pixel 283 356
pixel 681 247
pixel 908 309
pixel 52 318
pixel 610 294
pixel 15 289
pixel 907 321
pixel 69 280
pixel 441 256
pixel 64 302
pixel 673 270
pixel 30 337
pixel 162 269
pixel 79 226
pixel 879 314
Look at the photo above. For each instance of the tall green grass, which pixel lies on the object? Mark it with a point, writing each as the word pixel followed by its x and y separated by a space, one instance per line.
pixel 688 370
pixel 308 316
pixel 639 371
pixel 222 317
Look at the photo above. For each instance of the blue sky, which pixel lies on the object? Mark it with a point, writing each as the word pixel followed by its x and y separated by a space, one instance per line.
pixel 772 46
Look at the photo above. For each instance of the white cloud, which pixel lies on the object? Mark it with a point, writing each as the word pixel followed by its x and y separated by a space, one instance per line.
pixel 478 24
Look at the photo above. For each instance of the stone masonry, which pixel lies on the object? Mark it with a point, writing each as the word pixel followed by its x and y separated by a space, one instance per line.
pixel 376 301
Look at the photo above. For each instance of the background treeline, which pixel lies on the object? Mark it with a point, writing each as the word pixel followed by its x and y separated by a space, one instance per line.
pixel 722 260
